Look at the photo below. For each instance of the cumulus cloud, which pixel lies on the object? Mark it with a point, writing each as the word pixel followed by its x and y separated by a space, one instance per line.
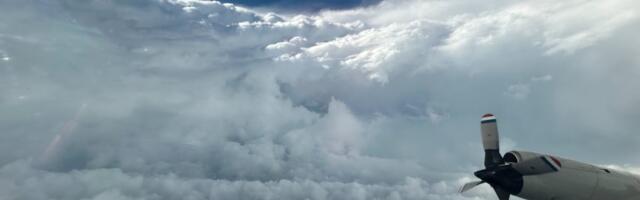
pixel 374 52
pixel 166 99
pixel 19 181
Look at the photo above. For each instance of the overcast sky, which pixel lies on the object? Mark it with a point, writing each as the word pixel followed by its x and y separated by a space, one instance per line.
pixel 187 99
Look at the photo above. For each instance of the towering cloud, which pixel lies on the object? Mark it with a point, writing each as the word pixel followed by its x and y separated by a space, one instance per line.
pixel 187 99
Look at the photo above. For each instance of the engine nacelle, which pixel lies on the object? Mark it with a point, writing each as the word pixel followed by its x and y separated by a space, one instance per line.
pixel 571 179
pixel 543 177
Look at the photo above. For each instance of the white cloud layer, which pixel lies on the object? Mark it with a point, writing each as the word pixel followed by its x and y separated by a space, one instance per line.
pixel 186 99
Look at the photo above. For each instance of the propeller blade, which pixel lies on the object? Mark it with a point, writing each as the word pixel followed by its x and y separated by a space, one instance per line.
pixel 503 178
pixel 468 186
pixel 502 194
pixel 490 141
pixel 537 166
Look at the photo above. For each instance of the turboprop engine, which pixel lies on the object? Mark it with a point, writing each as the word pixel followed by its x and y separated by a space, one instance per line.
pixel 506 174
pixel 543 177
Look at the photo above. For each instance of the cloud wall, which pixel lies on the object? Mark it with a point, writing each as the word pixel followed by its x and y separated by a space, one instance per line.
pixel 185 99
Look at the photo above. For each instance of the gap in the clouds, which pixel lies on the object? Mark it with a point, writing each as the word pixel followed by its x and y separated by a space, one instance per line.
pixel 305 5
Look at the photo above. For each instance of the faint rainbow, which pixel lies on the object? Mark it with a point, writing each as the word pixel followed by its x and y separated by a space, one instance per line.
pixel 66 132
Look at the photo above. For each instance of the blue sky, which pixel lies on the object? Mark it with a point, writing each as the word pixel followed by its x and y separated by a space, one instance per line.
pixel 306 4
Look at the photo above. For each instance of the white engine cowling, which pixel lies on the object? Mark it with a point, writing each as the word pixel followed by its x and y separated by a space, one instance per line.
pixel 571 180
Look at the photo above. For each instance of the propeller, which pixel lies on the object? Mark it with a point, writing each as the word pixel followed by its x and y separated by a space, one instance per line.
pixel 470 185
pixel 505 178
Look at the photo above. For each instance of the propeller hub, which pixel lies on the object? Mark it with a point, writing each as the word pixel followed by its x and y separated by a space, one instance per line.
pixel 503 176
pixel 485 174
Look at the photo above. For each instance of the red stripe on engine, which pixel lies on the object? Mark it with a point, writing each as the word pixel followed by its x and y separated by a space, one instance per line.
pixel 487 115
pixel 555 160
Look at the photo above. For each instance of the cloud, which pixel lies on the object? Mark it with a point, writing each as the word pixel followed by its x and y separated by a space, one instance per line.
pixel 20 181
pixel 208 100
pixel 544 78
pixel 522 90
pixel 373 52
pixel 305 5
pixel 519 91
